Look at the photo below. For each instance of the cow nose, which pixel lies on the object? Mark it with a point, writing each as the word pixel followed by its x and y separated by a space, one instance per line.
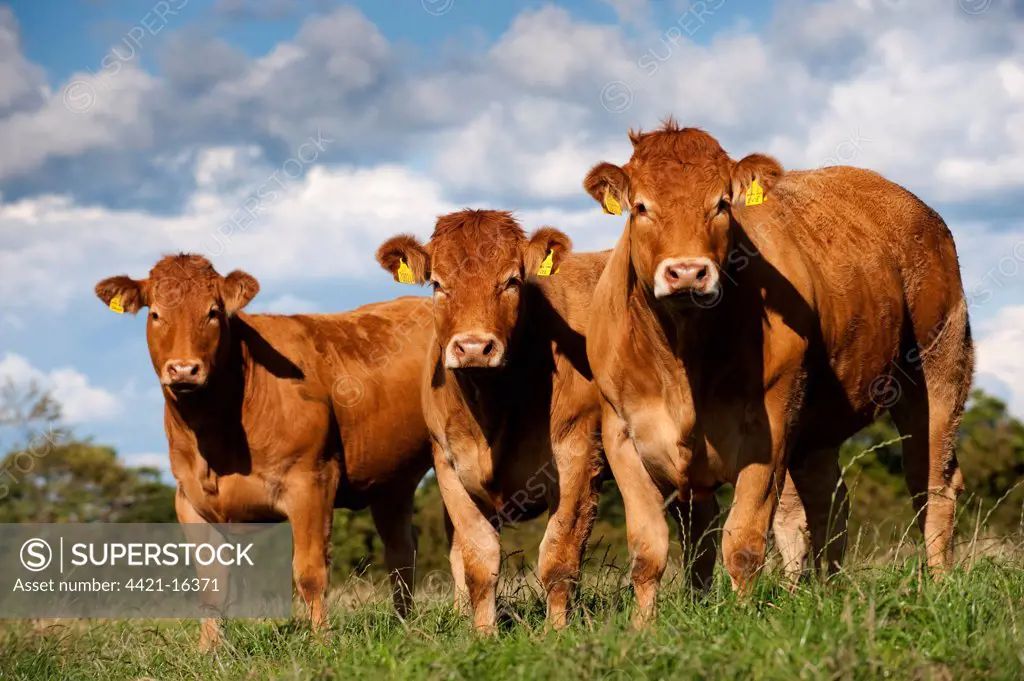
pixel 685 275
pixel 474 350
pixel 184 372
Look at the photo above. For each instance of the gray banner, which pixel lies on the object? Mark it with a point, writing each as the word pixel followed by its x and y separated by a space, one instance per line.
pixel 145 570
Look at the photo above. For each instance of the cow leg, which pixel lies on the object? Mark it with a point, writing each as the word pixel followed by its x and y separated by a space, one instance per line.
pixel 481 548
pixel 819 482
pixel 929 424
pixel 198 531
pixel 931 389
pixel 813 512
pixel 460 592
pixel 758 487
pixel 392 515
pixel 646 525
pixel 311 513
pixel 698 539
pixel 933 477
pixel 573 510
pixel 762 475
pixel 791 534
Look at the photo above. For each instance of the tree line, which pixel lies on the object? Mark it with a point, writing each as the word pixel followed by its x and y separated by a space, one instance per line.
pixel 51 474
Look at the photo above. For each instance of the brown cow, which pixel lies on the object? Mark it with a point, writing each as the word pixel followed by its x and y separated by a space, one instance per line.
pixel 272 418
pixel 507 395
pixel 739 334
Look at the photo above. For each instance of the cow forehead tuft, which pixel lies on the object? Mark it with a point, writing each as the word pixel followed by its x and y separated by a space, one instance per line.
pixel 677 161
pixel 675 178
pixel 680 144
pixel 483 235
pixel 176 276
pixel 471 224
pixel 188 266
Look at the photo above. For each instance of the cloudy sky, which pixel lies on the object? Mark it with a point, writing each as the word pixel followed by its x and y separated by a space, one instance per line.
pixel 290 137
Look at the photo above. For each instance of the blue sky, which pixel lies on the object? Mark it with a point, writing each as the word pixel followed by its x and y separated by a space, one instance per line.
pixel 133 128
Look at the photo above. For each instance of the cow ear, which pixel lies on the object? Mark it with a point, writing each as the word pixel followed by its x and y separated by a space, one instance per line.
pixel 123 294
pixel 237 289
pixel 609 185
pixel 405 258
pixel 545 251
pixel 764 169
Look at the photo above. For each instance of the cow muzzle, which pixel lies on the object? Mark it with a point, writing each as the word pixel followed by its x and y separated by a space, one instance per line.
pixel 694 277
pixel 474 350
pixel 184 375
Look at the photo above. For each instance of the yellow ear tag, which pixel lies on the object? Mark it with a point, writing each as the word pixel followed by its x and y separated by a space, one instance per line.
pixel 116 306
pixel 611 206
pixel 755 195
pixel 545 267
pixel 405 275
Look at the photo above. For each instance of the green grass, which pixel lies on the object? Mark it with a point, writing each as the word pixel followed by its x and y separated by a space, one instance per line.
pixel 869 622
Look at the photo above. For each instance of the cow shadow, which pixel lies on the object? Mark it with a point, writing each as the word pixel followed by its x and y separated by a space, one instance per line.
pixel 264 354
pixel 215 414
pixel 726 365
pixel 548 325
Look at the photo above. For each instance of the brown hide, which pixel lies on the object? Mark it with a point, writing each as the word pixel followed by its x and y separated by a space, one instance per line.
pixel 289 416
pixel 837 298
pixel 519 435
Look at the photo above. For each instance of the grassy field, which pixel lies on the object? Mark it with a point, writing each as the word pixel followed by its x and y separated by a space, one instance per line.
pixel 881 620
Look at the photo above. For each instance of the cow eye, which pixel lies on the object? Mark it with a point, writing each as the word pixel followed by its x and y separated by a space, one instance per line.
pixel 723 205
pixel 512 284
pixel 639 209
pixel 213 313
pixel 154 316
pixel 437 288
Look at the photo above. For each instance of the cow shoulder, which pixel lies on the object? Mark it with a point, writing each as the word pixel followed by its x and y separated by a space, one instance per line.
pixel 610 353
pixel 570 290
pixel 277 343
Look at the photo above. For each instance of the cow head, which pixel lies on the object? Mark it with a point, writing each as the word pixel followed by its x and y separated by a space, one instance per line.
pixel 679 188
pixel 477 262
pixel 189 305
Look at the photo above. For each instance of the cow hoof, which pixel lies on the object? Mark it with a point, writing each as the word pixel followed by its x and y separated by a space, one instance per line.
pixel 743 565
pixel 209 645
pixel 557 624
pixel 487 630
pixel 643 619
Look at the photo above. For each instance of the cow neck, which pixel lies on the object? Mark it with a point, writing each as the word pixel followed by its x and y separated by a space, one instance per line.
pixel 220 401
pixel 682 329
pixel 678 335
pixel 484 394
pixel 489 394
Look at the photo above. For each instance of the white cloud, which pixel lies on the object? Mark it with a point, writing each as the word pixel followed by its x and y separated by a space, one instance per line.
pixel 80 402
pixel 1000 353
pixel 256 9
pixel 910 77
pixel 22 83
pixel 533 147
pixel 936 90
pixel 286 304
pixel 327 224
pixel 590 228
pixel 214 165
pixel 630 10
pixel 547 49
pixel 124 118
pixel 11 322
pixel 88 113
